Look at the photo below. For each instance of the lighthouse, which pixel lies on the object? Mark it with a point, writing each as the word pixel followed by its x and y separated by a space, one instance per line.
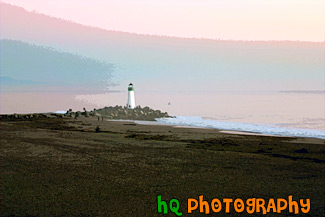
pixel 131 99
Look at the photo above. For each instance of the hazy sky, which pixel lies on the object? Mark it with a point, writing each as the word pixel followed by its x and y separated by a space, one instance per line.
pixel 302 20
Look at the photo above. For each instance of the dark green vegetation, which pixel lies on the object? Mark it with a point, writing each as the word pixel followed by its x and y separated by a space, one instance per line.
pixel 65 167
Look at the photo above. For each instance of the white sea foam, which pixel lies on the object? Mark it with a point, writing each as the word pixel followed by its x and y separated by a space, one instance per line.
pixel 246 127
pixel 61 112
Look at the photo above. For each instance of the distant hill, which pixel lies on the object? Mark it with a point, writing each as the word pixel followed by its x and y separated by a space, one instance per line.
pixel 166 63
pixel 30 67
pixel 7 81
pixel 8 84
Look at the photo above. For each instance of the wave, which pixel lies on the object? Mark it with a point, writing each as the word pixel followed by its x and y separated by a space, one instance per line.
pixel 245 127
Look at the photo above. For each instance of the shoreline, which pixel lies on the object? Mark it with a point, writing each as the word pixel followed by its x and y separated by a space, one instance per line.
pixel 183 122
pixel 219 131
pixel 232 131
pixel 260 129
pixel 154 123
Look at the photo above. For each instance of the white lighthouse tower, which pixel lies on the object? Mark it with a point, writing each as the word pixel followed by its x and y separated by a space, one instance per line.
pixel 131 99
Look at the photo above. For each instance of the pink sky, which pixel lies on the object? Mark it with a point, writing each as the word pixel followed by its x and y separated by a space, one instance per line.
pixel 301 20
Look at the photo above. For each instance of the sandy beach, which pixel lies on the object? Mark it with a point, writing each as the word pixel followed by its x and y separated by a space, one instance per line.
pixel 62 167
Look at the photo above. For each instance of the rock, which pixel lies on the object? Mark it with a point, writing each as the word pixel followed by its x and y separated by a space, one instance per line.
pixel 119 112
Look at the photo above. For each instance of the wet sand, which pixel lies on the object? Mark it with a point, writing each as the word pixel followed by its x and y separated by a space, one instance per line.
pixel 63 167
